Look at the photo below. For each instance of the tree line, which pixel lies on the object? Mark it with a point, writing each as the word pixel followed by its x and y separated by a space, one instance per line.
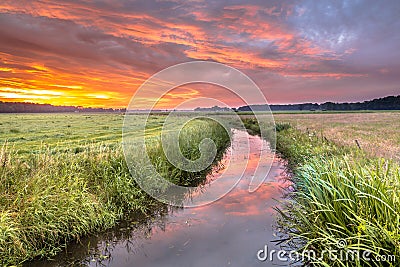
pixel 385 103
pixel 17 107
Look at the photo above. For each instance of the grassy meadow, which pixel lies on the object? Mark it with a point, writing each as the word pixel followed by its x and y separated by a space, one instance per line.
pixel 342 193
pixel 63 176
pixel 376 132
pixel 64 132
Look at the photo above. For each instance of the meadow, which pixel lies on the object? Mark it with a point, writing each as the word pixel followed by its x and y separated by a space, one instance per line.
pixel 32 133
pixel 345 197
pixel 63 176
pixel 376 132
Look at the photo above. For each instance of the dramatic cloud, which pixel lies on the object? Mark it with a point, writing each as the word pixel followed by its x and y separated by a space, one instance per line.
pixel 98 53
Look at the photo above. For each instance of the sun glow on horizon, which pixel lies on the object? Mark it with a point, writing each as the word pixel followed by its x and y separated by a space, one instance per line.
pixel 97 55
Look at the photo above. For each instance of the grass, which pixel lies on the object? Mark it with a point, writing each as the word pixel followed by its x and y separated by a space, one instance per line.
pixel 29 133
pixel 63 176
pixel 377 133
pixel 56 187
pixel 339 193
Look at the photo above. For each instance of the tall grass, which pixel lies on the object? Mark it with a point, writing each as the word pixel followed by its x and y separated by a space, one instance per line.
pixel 48 199
pixel 340 194
pixel 190 137
pixel 376 132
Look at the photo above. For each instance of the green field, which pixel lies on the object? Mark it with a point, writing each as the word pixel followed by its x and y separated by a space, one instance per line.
pixel 376 132
pixel 28 133
pixel 340 192
pixel 63 176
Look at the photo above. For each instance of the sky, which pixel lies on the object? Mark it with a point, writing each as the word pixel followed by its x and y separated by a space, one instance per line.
pixel 98 53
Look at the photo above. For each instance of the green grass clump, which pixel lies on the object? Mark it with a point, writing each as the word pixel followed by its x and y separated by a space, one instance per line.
pixel 47 200
pixel 340 194
pixel 252 125
pixel 52 196
pixel 190 137
pixel 282 126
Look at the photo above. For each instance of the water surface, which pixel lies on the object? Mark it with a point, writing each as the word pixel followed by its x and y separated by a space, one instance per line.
pixel 228 232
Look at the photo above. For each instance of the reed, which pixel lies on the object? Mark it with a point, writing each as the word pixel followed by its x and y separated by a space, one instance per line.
pixel 49 198
pixel 339 194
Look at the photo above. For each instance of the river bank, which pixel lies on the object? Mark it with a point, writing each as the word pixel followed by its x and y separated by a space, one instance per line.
pixel 228 232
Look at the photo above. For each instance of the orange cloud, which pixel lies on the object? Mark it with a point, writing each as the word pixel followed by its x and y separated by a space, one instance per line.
pixel 94 54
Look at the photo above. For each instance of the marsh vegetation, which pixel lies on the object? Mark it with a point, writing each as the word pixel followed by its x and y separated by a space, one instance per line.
pixel 341 192
pixel 65 176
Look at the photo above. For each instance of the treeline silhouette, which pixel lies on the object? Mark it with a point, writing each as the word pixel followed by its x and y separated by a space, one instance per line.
pixel 17 107
pixel 385 103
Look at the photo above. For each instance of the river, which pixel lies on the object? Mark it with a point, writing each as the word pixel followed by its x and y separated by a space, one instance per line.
pixel 228 232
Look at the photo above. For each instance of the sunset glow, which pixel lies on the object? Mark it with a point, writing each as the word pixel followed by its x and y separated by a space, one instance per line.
pixel 97 54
